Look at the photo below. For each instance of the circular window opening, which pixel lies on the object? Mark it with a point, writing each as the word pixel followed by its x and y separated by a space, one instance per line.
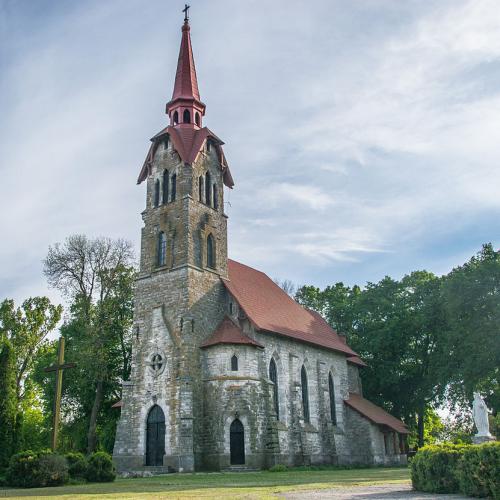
pixel 157 364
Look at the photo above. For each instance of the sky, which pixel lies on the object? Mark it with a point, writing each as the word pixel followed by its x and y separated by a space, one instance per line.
pixel 363 136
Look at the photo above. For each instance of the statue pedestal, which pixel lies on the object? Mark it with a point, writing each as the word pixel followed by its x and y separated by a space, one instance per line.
pixel 483 439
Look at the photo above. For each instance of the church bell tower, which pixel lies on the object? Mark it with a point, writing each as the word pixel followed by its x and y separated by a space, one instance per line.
pixel 179 299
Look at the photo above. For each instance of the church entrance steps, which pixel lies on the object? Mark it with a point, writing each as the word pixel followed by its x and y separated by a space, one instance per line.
pixel 147 471
pixel 240 468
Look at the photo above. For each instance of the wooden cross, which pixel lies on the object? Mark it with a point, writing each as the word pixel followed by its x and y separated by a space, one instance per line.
pixel 186 12
pixel 58 368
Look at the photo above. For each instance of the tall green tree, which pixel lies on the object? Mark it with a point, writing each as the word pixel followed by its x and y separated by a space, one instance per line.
pixel 397 328
pixel 472 297
pixel 8 402
pixel 96 275
pixel 27 328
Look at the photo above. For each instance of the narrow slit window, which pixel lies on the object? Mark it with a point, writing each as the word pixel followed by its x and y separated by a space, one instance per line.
pixel 156 196
pixel 173 187
pixel 210 252
pixel 305 394
pixel 208 186
pixel 200 188
pixel 331 390
pixel 166 180
pixel 162 249
pixel 215 197
pixel 273 375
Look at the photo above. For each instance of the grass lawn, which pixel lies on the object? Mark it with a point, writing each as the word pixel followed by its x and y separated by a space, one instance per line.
pixel 254 485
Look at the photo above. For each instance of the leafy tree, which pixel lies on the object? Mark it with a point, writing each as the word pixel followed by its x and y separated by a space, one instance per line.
pixel 8 402
pixel 396 327
pixel 27 328
pixel 472 298
pixel 96 275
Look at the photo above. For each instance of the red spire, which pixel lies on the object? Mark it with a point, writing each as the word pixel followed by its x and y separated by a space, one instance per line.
pixel 185 107
pixel 186 84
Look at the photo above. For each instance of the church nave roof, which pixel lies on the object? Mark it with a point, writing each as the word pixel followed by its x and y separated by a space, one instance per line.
pixel 271 309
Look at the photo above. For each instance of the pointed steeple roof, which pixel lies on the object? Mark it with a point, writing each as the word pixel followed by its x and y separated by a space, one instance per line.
pixel 186 82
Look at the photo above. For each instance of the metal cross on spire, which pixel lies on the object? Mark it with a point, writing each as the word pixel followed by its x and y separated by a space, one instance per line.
pixel 186 12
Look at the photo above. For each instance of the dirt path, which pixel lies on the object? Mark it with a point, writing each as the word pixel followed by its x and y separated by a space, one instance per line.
pixel 385 492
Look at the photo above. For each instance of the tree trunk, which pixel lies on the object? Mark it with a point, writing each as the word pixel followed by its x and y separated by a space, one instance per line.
pixel 420 426
pixel 91 436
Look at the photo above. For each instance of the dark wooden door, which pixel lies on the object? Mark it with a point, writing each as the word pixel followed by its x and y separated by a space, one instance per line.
pixel 155 436
pixel 237 443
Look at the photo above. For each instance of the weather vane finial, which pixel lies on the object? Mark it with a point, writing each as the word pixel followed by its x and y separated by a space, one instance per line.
pixel 186 12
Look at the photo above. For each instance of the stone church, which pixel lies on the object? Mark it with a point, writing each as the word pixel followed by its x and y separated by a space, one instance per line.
pixel 228 371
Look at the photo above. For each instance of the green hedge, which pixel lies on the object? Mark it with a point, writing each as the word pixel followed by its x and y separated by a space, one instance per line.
pixel 77 464
pixel 468 469
pixel 100 468
pixel 433 468
pixel 30 469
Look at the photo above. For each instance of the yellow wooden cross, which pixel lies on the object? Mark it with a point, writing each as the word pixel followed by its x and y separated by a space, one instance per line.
pixel 58 368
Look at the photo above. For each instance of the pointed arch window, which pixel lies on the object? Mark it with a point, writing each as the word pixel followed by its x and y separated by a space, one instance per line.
pixel 200 188
pixel 173 187
pixel 305 394
pixel 331 391
pixel 186 117
pixel 208 187
pixel 176 118
pixel 215 197
pixel 234 363
pixel 273 375
pixel 197 119
pixel 166 180
pixel 156 196
pixel 210 252
pixel 162 248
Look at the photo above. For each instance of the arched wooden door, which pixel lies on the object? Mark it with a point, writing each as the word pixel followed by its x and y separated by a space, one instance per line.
pixel 237 442
pixel 155 436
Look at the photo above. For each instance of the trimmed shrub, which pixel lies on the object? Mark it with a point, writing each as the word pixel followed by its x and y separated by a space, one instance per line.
pixel 100 468
pixel 23 470
pixel 433 469
pixel 30 470
pixel 278 468
pixel 77 465
pixel 53 469
pixel 478 471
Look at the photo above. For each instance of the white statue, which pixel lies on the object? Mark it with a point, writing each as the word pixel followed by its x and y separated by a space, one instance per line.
pixel 480 413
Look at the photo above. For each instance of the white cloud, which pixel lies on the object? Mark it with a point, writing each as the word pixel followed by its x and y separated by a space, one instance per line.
pixel 354 130
pixel 280 194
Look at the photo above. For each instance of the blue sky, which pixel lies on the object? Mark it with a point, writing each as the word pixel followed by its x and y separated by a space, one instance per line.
pixel 363 136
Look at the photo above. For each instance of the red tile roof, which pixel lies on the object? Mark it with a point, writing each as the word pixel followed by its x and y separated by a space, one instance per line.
pixel 270 309
pixel 374 413
pixel 188 142
pixel 229 333
pixel 356 361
